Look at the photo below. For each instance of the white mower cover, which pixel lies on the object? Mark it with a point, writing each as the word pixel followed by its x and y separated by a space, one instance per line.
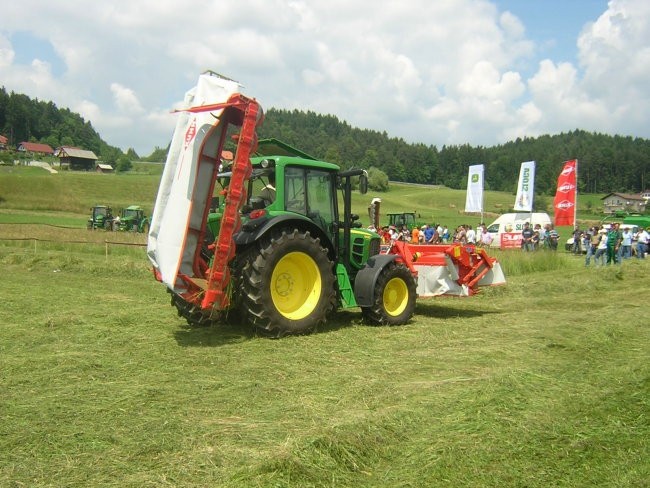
pixel 442 280
pixel 171 245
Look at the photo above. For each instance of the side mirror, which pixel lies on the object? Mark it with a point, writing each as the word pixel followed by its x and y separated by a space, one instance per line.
pixel 363 182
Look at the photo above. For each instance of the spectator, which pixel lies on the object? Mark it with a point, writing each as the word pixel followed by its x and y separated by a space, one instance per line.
pixel 601 249
pixel 642 238
pixel 577 233
pixel 486 238
pixel 405 234
pixel 553 237
pixel 385 235
pixel 460 235
pixel 445 234
pixel 592 245
pixel 535 240
pixel 542 235
pixel 626 243
pixel 429 235
pixel 421 236
pixel 415 235
pixel 470 235
pixel 527 237
pixel 613 244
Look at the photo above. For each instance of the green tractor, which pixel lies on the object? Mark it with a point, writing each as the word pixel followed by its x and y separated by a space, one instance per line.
pixel 300 241
pixel 408 219
pixel 101 217
pixel 133 219
pixel 281 250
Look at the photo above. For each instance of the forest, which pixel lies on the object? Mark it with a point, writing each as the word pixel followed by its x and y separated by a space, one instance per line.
pixel 607 163
pixel 32 120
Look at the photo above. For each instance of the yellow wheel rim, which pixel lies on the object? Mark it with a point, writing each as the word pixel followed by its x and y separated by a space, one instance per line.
pixel 296 285
pixel 395 297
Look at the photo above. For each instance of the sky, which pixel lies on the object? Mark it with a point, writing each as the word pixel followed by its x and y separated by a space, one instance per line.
pixel 438 72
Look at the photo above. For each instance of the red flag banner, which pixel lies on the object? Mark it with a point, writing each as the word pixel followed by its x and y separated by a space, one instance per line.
pixel 565 196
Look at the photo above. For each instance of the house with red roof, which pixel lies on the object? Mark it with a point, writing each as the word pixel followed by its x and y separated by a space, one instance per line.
pixel 36 148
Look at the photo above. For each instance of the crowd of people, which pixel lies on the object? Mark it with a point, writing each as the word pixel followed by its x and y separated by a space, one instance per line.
pixel 538 237
pixel 610 244
pixel 437 234
pixel 605 245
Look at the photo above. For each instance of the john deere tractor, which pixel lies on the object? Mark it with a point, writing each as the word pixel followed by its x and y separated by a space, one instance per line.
pixel 281 250
pixel 101 217
pixel 133 219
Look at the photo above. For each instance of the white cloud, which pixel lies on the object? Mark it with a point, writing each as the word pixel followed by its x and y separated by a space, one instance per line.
pixel 432 72
pixel 126 99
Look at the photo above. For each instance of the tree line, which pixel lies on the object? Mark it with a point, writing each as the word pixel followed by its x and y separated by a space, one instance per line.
pixel 23 119
pixel 606 163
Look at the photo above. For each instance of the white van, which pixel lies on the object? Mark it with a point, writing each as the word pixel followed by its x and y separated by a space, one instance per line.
pixel 514 222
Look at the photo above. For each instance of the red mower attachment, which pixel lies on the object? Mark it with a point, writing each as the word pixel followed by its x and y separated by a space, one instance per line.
pixel 448 269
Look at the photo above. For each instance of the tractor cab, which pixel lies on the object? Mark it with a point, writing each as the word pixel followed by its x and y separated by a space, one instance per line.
pixel 409 219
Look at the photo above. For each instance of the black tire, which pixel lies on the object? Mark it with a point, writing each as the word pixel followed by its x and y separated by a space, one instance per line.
pixel 288 287
pixel 394 297
pixel 193 314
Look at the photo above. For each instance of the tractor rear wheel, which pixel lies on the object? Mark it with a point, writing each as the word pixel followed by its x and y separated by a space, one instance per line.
pixel 288 287
pixel 394 297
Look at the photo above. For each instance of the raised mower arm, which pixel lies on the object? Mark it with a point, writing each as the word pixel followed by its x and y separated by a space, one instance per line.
pixel 178 225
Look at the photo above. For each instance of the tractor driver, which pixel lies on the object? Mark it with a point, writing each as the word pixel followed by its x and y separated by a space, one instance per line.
pixel 268 192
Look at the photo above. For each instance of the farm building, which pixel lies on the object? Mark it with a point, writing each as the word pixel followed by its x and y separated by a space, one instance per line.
pixel 35 148
pixel 3 142
pixel 623 202
pixel 103 168
pixel 76 159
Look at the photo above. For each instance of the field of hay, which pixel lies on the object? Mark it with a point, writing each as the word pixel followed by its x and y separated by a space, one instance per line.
pixel 542 382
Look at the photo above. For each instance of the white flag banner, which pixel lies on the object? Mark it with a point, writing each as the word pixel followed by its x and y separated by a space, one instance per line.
pixel 474 198
pixel 526 187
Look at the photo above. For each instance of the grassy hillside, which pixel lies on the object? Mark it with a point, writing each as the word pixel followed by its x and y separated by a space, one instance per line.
pixel 46 196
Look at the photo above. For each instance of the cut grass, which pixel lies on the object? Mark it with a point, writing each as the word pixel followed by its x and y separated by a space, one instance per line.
pixel 543 382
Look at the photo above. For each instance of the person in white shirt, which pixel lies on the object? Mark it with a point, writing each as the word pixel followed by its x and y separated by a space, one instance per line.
pixel 470 235
pixel 601 250
pixel 626 243
pixel 642 238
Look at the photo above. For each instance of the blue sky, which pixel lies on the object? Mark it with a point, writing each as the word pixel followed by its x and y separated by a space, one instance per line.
pixel 444 72
pixel 554 25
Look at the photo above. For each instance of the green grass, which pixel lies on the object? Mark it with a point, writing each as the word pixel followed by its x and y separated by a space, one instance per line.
pixel 543 382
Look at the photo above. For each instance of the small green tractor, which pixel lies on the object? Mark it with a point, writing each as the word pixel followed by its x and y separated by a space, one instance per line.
pixel 101 217
pixel 133 219
pixel 408 219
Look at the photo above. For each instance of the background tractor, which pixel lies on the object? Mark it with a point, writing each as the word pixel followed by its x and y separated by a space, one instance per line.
pixel 280 261
pixel 133 219
pixel 101 217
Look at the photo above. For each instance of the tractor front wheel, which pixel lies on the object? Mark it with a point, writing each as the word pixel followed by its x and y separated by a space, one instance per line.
pixel 193 314
pixel 288 288
pixel 394 297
